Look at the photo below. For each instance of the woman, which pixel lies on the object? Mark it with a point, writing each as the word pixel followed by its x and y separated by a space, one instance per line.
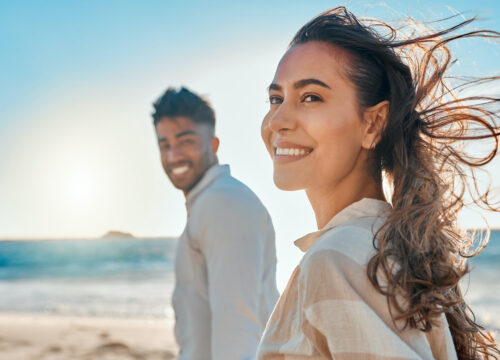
pixel 349 108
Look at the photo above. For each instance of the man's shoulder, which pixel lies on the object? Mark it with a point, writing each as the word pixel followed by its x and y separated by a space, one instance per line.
pixel 227 192
pixel 227 183
pixel 227 203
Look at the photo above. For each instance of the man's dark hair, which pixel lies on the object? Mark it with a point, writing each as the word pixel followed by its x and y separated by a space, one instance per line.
pixel 183 102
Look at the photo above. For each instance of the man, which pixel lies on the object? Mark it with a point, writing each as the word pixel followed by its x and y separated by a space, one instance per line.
pixel 226 259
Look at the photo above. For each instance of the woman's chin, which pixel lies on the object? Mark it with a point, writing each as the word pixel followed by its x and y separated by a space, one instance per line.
pixel 287 183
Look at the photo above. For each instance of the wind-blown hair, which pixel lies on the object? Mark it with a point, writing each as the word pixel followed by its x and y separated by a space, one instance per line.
pixel 420 153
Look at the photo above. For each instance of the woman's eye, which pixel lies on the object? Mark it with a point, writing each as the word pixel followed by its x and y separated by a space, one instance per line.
pixel 273 100
pixel 311 98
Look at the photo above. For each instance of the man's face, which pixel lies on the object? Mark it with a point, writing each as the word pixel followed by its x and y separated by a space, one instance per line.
pixel 187 150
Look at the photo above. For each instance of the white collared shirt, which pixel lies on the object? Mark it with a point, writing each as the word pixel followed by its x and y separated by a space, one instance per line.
pixel 330 309
pixel 225 270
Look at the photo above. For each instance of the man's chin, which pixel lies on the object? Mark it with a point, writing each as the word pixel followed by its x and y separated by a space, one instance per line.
pixel 183 186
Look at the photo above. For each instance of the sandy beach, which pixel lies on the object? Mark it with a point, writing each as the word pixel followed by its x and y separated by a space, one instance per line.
pixel 43 337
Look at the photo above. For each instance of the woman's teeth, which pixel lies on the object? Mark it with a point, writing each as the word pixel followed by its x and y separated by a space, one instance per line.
pixel 180 170
pixel 292 151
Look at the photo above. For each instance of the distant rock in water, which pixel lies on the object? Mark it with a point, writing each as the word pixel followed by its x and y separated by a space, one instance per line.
pixel 117 235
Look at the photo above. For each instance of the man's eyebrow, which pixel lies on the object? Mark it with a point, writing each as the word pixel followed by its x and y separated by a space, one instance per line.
pixel 302 83
pixel 274 86
pixel 184 133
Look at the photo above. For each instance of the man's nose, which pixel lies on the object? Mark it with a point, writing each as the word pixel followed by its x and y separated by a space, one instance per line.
pixel 174 154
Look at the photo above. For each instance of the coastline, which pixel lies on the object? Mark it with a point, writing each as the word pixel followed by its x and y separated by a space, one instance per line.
pixel 25 336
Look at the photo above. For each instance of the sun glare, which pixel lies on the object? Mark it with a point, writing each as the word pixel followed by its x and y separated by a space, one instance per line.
pixel 80 187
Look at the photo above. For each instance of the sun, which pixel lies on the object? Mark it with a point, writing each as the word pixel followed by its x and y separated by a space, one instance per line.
pixel 80 186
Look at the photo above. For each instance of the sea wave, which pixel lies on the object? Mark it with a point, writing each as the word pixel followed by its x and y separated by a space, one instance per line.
pixel 134 278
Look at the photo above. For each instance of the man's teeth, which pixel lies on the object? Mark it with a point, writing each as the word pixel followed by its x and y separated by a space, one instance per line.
pixel 180 170
pixel 291 151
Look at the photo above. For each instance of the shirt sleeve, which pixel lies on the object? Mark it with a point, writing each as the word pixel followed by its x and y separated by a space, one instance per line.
pixel 344 314
pixel 234 233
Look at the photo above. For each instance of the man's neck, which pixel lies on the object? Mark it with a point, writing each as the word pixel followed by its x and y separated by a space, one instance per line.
pixel 187 192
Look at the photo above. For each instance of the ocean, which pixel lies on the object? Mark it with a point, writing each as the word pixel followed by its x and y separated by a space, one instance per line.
pixel 119 277
pixel 133 278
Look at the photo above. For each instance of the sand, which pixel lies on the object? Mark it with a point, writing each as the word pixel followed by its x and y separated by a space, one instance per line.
pixel 41 337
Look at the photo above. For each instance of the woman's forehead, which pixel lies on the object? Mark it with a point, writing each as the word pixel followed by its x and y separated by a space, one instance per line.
pixel 311 60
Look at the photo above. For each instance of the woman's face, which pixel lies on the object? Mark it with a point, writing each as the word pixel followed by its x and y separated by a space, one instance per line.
pixel 313 130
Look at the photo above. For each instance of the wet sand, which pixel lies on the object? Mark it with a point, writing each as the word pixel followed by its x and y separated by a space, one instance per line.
pixel 41 337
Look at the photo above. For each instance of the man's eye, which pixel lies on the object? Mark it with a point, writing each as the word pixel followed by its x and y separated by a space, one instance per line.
pixel 273 100
pixel 187 141
pixel 311 98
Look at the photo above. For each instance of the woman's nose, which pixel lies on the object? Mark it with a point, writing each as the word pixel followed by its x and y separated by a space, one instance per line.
pixel 282 119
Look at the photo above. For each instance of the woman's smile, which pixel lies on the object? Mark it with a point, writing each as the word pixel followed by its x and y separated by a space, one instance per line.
pixel 285 152
pixel 313 120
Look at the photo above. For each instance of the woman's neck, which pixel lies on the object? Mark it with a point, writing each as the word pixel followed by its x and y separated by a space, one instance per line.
pixel 328 201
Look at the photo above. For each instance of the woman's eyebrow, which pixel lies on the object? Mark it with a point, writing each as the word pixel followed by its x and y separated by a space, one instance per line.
pixel 302 83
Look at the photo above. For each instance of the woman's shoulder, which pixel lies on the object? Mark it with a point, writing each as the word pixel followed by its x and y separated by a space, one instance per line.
pixel 350 242
pixel 334 267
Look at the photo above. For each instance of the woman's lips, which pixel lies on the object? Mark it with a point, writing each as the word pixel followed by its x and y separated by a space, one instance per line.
pixel 287 152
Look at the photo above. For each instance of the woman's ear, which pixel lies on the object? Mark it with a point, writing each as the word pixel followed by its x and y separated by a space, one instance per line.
pixel 375 119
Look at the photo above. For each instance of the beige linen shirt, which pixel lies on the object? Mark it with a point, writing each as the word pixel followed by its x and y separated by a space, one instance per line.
pixel 330 310
pixel 225 270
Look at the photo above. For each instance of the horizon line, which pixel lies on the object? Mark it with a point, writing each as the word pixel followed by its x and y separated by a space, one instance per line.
pixel 42 238
pixel 130 235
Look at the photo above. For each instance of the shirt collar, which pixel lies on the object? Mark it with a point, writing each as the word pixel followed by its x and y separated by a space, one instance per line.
pixel 361 209
pixel 213 173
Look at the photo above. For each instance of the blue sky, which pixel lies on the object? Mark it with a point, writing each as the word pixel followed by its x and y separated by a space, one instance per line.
pixel 77 149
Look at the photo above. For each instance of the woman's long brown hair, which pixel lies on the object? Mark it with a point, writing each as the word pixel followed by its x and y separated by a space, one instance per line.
pixel 421 152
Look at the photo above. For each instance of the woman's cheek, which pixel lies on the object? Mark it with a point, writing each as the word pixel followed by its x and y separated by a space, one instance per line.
pixel 265 133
